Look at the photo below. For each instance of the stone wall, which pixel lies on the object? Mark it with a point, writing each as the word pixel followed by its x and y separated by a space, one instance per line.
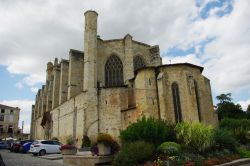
pixel 76 64
pixel 126 49
pixel 185 76
pixel 146 93
pixel 112 101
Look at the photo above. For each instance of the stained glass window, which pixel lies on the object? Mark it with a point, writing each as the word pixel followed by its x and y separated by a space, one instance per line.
pixel 113 72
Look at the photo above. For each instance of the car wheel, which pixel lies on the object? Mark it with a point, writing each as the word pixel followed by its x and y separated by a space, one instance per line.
pixel 42 152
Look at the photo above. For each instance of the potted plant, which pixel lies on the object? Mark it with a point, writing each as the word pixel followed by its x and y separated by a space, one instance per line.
pixel 69 148
pixel 104 142
pixel 86 143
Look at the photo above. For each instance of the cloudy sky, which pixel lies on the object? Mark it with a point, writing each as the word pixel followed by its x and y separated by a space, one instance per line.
pixel 211 33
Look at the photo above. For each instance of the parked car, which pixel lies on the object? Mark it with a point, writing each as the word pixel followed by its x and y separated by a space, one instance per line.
pixel 43 147
pixel 26 147
pixel 16 146
pixel 4 145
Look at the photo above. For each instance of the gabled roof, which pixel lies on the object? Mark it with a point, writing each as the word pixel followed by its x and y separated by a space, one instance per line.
pixel 8 107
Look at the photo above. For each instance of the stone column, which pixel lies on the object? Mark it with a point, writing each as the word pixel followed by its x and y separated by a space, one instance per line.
pixel 64 77
pixel 43 107
pixel 90 50
pixel 37 104
pixel 56 84
pixel 49 85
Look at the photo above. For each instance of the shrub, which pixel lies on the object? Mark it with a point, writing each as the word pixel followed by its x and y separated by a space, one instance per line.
pixel 134 153
pixel 105 138
pixel 243 152
pixel 115 147
pixel 224 140
pixel 69 140
pixel 86 141
pixel 169 148
pixel 149 130
pixel 239 127
pixel 195 135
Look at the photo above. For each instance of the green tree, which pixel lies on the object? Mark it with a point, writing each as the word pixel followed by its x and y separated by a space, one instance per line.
pixel 227 108
pixel 248 109
pixel 224 98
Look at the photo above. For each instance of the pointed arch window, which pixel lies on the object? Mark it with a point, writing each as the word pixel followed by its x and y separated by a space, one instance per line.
pixel 176 101
pixel 138 63
pixel 113 72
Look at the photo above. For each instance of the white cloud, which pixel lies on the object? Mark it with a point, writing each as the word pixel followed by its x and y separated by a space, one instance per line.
pixel 25 113
pixel 244 104
pixel 225 58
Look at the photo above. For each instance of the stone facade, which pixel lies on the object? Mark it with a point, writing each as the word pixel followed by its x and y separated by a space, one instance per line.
pixel 112 84
pixel 9 118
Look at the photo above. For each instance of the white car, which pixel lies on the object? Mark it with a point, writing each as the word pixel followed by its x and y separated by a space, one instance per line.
pixel 43 147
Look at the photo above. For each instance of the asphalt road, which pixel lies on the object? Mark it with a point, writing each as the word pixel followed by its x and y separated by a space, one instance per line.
pixel 19 159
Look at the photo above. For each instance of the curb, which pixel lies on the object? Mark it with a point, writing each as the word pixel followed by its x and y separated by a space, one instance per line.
pixel 236 162
pixel 51 157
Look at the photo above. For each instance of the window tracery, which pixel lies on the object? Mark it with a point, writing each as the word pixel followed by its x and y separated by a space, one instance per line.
pixel 113 72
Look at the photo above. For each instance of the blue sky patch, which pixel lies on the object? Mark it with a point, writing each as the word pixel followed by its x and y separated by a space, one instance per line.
pixel 10 91
pixel 175 51
pixel 224 7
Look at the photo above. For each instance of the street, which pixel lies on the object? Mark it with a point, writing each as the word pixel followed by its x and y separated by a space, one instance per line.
pixel 20 159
